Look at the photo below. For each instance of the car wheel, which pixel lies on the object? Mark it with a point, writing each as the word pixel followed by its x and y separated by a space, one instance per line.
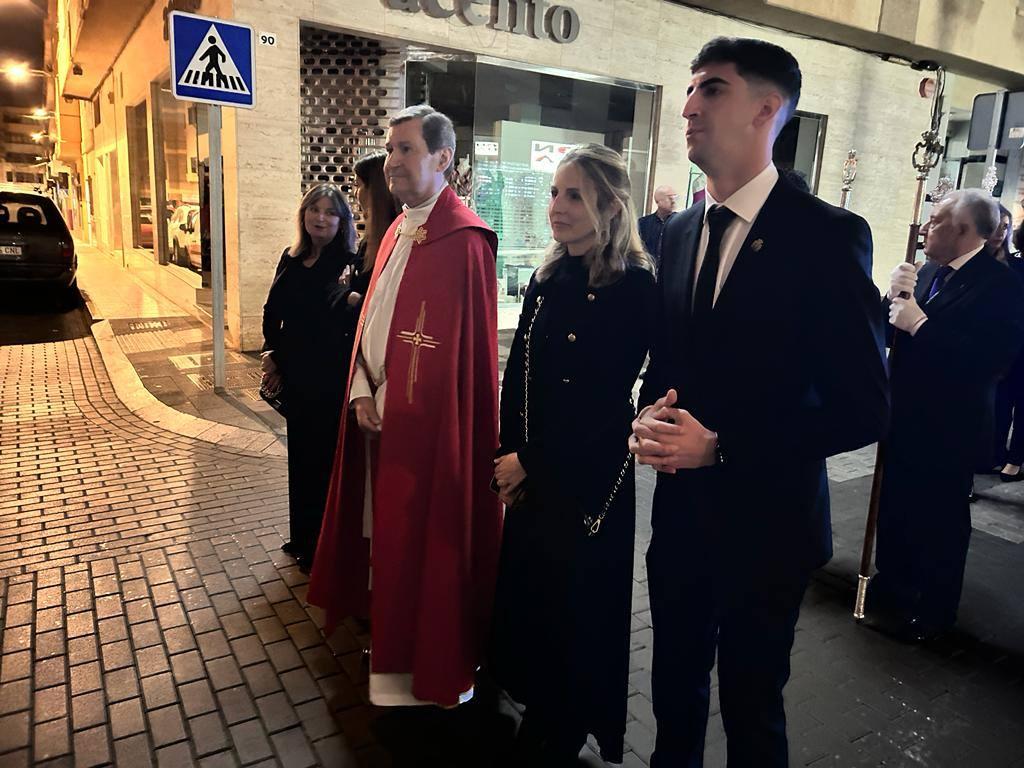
pixel 69 298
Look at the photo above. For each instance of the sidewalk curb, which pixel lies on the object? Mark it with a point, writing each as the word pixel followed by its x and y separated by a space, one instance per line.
pixel 140 401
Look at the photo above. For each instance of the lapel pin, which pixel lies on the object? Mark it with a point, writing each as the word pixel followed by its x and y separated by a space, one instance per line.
pixel 757 245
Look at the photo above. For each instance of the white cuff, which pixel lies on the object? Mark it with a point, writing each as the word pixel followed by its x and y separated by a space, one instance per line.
pixel 360 383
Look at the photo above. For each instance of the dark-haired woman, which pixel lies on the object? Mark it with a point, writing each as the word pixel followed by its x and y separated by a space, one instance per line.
pixel 561 630
pixel 379 209
pixel 306 353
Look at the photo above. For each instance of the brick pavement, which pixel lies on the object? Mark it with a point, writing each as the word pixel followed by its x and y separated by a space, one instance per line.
pixel 148 616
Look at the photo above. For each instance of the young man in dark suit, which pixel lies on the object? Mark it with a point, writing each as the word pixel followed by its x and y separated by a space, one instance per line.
pixel 957 328
pixel 769 358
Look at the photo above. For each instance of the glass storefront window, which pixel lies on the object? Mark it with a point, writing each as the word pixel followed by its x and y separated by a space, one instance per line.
pixel 184 145
pixel 524 121
pixel 137 126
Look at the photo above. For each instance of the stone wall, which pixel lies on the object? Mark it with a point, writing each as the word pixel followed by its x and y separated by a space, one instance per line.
pixel 872 106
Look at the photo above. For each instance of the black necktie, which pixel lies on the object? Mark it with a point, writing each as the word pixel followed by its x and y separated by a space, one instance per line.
pixel 718 220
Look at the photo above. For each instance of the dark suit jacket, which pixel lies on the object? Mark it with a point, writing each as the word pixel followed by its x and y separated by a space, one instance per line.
pixel 791 371
pixel 944 376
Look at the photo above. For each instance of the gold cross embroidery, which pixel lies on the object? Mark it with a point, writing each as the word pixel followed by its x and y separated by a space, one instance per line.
pixel 418 340
pixel 418 235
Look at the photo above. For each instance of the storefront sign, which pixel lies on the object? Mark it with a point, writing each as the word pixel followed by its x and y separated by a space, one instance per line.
pixel 545 155
pixel 519 17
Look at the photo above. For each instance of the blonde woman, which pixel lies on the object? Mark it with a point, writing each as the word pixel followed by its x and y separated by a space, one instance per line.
pixel 306 352
pixel 561 634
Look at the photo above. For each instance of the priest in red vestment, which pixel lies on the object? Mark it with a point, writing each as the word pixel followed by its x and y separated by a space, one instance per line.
pixel 411 531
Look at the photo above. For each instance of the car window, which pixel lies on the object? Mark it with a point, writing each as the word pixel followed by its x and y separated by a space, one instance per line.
pixel 29 213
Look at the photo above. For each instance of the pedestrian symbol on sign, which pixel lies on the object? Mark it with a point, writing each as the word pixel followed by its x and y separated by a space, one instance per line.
pixel 212 67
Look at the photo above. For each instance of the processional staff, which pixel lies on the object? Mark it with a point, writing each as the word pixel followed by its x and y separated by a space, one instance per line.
pixel 927 153
pixel 849 176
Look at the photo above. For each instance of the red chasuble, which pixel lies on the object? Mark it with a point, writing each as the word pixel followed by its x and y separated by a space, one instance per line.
pixel 436 524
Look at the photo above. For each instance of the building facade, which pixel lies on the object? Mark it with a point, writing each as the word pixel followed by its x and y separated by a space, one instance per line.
pixel 522 79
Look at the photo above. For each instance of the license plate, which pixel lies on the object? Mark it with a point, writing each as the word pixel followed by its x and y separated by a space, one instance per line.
pixel 10 250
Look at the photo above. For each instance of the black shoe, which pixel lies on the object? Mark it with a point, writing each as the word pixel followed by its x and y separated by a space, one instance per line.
pixel 291 549
pixel 305 563
pixel 972 497
pixel 912 630
pixel 1012 478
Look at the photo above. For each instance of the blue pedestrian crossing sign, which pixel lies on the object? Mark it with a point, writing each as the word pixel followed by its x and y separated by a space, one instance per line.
pixel 212 61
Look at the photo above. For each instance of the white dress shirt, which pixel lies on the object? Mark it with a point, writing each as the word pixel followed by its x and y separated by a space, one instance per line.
pixel 959 261
pixel 746 202
pixel 368 379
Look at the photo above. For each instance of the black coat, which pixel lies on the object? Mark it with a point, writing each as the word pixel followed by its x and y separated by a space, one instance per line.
pixel 561 638
pixel 309 326
pixel 792 370
pixel 944 376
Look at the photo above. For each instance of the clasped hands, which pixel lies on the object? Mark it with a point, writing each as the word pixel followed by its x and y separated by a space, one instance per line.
pixel 904 311
pixel 508 477
pixel 669 438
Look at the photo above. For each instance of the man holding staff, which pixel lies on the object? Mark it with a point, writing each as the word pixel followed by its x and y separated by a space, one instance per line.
pixel 957 323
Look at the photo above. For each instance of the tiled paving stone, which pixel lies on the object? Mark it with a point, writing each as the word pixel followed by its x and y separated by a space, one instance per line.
pixel 204 636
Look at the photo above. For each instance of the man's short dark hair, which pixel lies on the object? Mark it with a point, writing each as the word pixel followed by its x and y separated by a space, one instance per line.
pixel 438 131
pixel 756 60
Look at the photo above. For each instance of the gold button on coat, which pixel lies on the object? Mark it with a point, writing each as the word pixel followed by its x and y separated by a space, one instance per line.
pixel 572 337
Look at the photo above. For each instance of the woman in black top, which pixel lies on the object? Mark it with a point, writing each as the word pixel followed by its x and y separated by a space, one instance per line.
pixel 561 629
pixel 307 346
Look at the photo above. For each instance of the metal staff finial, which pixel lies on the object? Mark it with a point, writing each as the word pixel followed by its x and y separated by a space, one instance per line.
pixel 941 190
pixel 991 179
pixel 849 176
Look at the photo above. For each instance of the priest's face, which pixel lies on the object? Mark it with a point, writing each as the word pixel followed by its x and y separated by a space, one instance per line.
pixel 571 211
pixel 414 173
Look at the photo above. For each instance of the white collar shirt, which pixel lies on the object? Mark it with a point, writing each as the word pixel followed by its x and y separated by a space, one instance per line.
pixel 368 377
pixel 959 261
pixel 746 202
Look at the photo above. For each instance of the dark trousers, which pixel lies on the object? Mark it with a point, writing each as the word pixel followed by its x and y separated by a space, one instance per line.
pixel 312 440
pixel 1009 406
pixel 924 530
pixel 696 607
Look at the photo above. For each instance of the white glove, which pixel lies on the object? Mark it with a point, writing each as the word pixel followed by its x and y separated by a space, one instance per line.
pixel 906 314
pixel 902 280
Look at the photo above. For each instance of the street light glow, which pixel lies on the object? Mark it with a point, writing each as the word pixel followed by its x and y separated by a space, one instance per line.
pixel 17 73
pixel 39 112
pixel 38 136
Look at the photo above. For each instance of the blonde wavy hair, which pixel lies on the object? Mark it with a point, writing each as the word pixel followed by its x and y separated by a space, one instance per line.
pixel 606 198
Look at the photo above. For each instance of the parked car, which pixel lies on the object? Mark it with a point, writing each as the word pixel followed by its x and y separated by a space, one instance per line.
pixel 145 230
pixel 183 237
pixel 36 246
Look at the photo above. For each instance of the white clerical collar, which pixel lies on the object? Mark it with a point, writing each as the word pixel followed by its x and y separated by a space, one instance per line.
pixel 959 261
pixel 421 212
pixel 747 201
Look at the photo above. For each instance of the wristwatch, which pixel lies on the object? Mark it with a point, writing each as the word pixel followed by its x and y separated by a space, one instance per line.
pixel 719 454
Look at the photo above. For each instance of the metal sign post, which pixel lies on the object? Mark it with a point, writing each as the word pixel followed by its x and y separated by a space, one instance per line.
pixel 217 247
pixel 214 62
